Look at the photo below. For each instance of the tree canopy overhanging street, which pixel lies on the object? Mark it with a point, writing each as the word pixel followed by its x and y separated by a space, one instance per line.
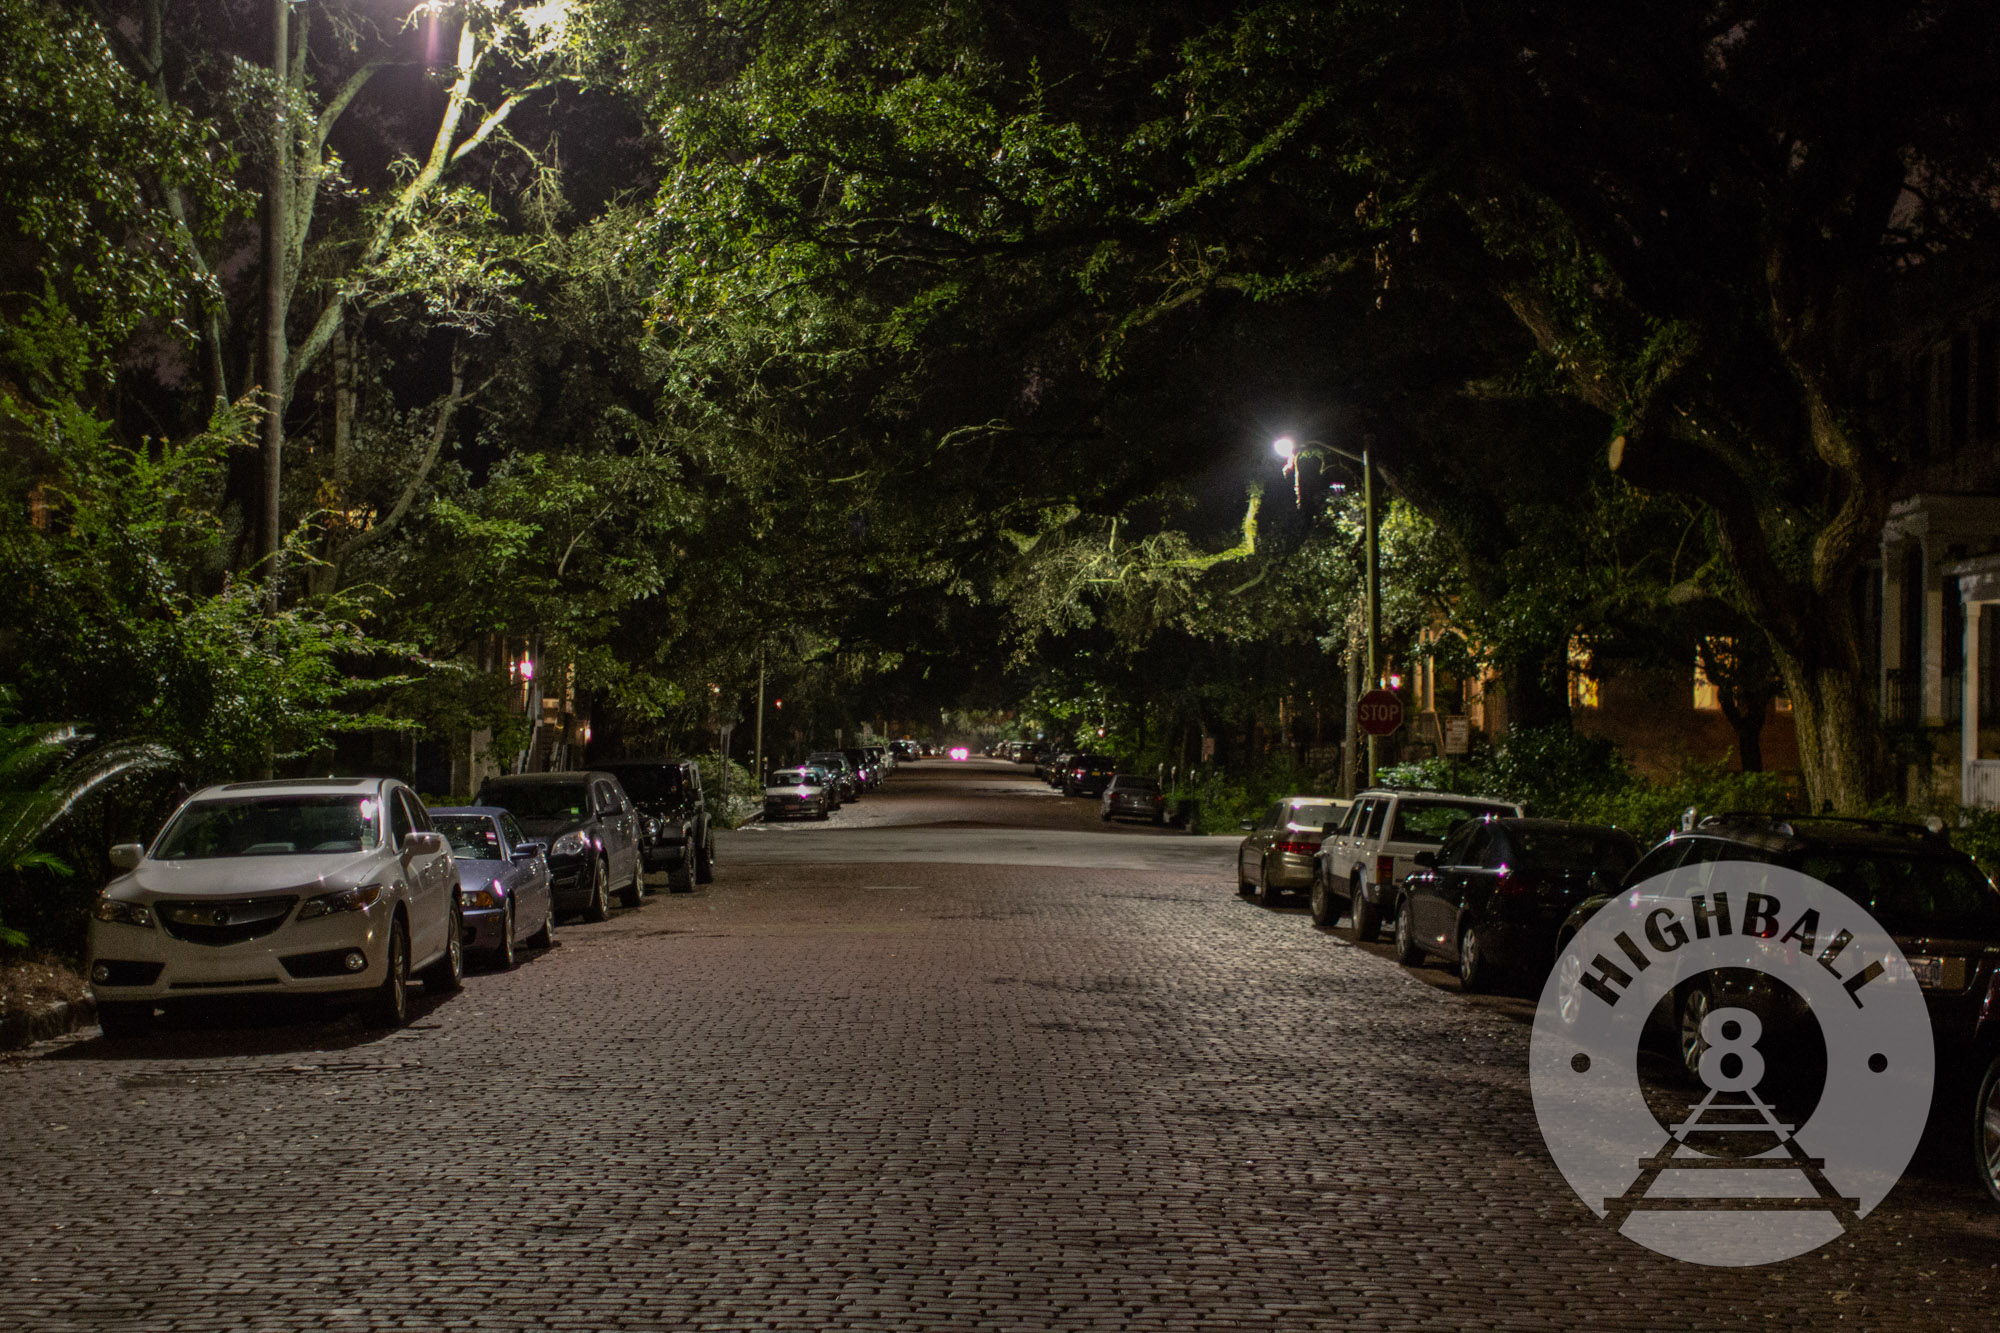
pixel 923 363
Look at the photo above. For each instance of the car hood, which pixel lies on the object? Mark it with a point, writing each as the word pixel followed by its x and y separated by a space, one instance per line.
pixel 478 874
pixel 543 829
pixel 249 876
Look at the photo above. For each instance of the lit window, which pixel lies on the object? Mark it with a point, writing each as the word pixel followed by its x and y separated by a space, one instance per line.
pixel 1707 698
pixel 1583 684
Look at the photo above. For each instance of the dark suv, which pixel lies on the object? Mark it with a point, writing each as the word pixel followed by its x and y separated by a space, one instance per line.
pixel 1943 913
pixel 675 835
pixel 1088 774
pixel 590 829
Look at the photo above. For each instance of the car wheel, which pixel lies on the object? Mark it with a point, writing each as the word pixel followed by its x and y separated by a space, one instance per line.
pixel 600 893
pixel 1104 815
pixel 504 957
pixel 1475 970
pixel 1325 907
pixel 1407 951
pixel 681 878
pixel 1986 1131
pixel 634 893
pixel 1569 985
pixel 1158 820
pixel 825 812
pixel 389 1006
pixel 1244 888
pixel 545 938
pixel 447 974
pixel 125 1018
pixel 1268 894
pixel 1696 1006
pixel 704 861
pixel 1364 917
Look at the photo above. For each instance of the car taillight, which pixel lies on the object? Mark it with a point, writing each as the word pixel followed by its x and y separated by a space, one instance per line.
pixel 1385 869
pixel 1299 848
pixel 1513 883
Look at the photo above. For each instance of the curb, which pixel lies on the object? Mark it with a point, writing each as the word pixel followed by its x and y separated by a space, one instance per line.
pixel 25 1028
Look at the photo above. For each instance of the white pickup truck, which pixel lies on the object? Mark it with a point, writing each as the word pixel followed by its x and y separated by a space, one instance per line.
pixel 1358 864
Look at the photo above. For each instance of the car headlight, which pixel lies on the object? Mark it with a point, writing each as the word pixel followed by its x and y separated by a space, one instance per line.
pixel 123 913
pixel 570 844
pixel 342 900
pixel 487 897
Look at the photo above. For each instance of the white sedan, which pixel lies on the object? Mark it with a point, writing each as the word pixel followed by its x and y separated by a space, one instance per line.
pixel 316 886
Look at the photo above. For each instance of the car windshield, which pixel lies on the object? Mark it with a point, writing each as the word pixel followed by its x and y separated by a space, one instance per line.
pixel 540 800
pixel 792 777
pixel 272 826
pixel 831 762
pixel 1135 784
pixel 1316 815
pixel 1575 849
pixel 649 783
pixel 1912 895
pixel 1428 821
pixel 472 837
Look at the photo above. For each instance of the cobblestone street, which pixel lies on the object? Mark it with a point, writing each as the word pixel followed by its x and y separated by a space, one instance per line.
pixel 910 1094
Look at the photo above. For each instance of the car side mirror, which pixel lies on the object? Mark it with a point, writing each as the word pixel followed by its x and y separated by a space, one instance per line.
pixel 127 855
pixel 422 843
pixel 1328 830
pixel 1246 826
pixel 1428 860
pixel 528 851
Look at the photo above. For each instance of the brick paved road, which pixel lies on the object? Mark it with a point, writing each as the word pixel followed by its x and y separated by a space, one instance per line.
pixel 900 1096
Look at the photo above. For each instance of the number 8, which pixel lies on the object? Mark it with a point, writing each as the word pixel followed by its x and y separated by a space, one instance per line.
pixel 1743 1045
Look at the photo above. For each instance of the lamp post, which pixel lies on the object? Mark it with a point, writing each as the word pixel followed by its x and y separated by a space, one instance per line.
pixel 1291 450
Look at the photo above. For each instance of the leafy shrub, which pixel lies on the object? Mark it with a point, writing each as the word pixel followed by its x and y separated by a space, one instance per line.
pixel 746 794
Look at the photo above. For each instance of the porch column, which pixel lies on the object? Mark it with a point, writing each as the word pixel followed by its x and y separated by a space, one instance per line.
pixel 1968 726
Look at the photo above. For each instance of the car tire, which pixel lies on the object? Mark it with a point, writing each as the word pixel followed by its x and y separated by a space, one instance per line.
pixel 1364 918
pixel 681 878
pixel 1695 1005
pixel 125 1018
pixel 1325 907
pixel 545 938
pixel 599 907
pixel 1104 815
pixel 389 1004
pixel 1408 952
pixel 1986 1131
pixel 825 812
pixel 704 861
pixel 1244 888
pixel 1158 820
pixel 447 974
pixel 503 956
pixel 1268 894
pixel 1475 969
pixel 1569 984
pixel 634 893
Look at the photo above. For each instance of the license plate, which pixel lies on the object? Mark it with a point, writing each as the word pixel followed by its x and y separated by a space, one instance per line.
pixel 1929 972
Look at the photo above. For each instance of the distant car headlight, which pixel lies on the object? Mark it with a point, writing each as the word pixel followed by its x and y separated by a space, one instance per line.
pixel 491 896
pixel 345 900
pixel 123 913
pixel 570 844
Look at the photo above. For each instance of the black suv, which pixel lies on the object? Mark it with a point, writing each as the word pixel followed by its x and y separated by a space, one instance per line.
pixel 590 828
pixel 1088 774
pixel 1942 911
pixel 676 835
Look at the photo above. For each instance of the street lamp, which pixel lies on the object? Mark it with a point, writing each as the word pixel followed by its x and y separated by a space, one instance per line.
pixel 1291 451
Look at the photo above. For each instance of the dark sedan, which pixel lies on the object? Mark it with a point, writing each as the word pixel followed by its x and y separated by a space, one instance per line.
pixel 591 830
pixel 503 882
pixel 844 774
pixel 1492 899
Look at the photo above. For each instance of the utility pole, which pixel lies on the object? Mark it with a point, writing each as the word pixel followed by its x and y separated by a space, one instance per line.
pixel 277 191
pixel 757 765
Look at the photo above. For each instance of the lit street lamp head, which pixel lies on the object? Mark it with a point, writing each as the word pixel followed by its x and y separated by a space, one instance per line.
pixel 1285 447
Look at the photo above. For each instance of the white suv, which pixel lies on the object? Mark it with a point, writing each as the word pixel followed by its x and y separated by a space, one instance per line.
pixel 1358 864
pixel 335 885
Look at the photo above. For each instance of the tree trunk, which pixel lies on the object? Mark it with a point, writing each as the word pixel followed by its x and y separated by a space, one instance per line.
pixel 1833 709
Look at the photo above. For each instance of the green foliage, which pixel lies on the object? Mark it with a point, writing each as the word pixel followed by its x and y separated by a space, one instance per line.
pixel 746 791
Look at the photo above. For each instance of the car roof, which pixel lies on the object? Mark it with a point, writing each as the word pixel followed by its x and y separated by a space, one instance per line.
pixel 489 811
pixel 293 786
pixel 613 766
pixel 1315 800
pixel 1457 796
pixel 567 776
pixel 1793 833
pixel 1530 823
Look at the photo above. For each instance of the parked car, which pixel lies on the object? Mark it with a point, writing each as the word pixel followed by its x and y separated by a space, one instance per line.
pixel 882 757
pixel 834 762
pixel 675 833
pixel 1129 796
pixel 1088 774
pixel 1051 770
pixel 865 770
pixel 329 886
pixel 1277 856
pixel 503 882
pixel 1492 900
pixel 1943 913
pixel 907 751
pixel 1359 862
pixel 796 793
pixel 591 830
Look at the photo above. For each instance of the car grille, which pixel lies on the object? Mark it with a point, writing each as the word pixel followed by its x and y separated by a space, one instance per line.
pixel 229 922
pixel 325 963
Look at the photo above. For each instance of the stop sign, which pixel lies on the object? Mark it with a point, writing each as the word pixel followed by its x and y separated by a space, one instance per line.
pixel 1379 713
